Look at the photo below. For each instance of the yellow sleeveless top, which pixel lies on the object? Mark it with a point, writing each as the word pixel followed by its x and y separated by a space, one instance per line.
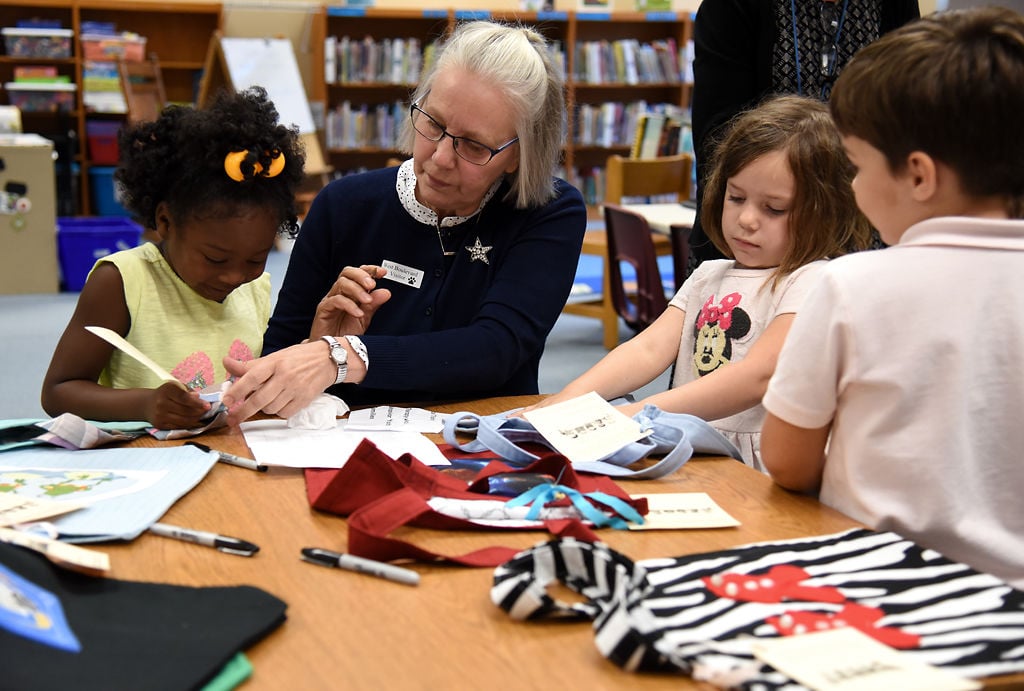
pixel 184 333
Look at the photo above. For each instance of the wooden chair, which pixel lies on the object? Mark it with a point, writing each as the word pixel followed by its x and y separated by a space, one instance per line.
pixel 143 86
pixel 629 241
pixel 630 177
pixel 679 236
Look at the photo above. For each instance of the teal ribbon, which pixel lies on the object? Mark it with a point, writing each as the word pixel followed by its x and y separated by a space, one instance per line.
pixel 541 495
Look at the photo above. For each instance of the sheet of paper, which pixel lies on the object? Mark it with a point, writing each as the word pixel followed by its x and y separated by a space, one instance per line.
pixel 16 509
pixel 389 418
pixel 273 443
pixel 849 660
pixel 115 339
pixel 586 428
pixel 683 510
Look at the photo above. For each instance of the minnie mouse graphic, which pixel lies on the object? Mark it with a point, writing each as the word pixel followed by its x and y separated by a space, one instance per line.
pixel 717 326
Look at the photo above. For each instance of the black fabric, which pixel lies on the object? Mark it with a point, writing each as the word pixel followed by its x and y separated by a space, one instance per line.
pixel 133 635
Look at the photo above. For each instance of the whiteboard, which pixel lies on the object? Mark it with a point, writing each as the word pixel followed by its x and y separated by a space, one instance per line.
pixel 270 63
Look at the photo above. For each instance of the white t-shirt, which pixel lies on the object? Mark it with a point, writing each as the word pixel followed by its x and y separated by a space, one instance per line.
pixel 915 354
pixel 727 309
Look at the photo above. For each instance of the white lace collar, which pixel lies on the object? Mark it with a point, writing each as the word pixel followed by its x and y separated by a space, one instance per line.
pixel 405 185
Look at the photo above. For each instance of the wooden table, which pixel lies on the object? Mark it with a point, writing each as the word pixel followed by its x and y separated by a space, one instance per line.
pixel 352 631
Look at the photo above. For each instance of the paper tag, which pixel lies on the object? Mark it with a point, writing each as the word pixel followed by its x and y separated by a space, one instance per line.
pixel 847 659
pixel 60 553
pixel 682 510
pixel 586 428
pixel 16 509
pixel 399 273
pixel 387 417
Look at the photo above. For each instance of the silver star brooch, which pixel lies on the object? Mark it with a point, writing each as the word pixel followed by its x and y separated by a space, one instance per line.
pixel 478 252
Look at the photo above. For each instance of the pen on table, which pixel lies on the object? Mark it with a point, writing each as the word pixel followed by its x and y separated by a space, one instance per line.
pixel 231 458
pixel 222 543
pixel 350 562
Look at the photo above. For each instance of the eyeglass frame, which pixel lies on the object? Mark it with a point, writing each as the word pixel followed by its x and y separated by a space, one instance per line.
pixel 415 108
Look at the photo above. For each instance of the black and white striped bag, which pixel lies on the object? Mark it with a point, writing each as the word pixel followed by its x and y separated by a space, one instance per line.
pixel 700 614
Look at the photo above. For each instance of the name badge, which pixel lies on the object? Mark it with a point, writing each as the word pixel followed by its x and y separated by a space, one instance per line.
pixel 399 273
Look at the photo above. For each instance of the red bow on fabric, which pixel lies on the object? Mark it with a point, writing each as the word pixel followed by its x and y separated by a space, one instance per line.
pixel 721 313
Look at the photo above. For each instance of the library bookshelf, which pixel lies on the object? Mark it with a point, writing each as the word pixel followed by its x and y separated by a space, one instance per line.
pixel 178 32
pixel 363 110
pixel 616 66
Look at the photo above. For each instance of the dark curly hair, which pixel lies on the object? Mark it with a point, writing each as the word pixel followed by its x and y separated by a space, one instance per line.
pixel 179 159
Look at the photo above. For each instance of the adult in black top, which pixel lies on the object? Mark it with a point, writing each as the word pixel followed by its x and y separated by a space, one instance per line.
pixel 746 50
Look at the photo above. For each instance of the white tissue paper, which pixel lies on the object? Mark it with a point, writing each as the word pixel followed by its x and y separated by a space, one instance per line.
pixel 322 413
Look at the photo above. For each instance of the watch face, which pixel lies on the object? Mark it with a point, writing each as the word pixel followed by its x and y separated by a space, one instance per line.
pixel 339 354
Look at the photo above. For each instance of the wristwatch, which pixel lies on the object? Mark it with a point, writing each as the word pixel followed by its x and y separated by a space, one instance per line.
pixel 339 356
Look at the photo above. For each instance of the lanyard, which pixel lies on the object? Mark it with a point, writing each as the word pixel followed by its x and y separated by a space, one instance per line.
pixel 829 51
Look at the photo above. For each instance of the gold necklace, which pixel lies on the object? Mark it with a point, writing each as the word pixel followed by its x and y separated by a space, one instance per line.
pixel 444 251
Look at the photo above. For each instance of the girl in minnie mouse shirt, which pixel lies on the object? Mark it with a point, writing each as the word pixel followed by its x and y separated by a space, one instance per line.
pixel 778 203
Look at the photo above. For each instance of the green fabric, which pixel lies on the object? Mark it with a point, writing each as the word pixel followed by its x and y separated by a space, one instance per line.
pixel 231 675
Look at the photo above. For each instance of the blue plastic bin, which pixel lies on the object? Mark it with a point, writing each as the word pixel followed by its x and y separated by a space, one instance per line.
pixel 104 200
pixel 81 241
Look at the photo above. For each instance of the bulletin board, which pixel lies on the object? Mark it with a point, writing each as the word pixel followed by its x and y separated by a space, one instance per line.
pixel 238 63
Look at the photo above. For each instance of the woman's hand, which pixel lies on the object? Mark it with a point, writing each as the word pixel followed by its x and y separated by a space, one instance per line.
pixel 282 383
pixel 351 302
pixel 172 407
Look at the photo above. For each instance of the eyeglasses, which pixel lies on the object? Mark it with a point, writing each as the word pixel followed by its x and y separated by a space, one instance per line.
pixel 467 149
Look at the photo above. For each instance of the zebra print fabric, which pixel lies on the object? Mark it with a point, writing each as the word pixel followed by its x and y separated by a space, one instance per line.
pixel 698 614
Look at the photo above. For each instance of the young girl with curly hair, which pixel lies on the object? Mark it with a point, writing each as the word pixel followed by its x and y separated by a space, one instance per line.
pixel 215 186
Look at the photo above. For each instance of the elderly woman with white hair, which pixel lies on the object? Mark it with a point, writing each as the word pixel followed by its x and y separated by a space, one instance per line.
pixel 440 278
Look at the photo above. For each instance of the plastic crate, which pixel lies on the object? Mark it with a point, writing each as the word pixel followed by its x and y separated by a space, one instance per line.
pixel 103 47
pixel 38 42
pixel 105 201
pixel 102 138
pixel 81 241
pixel 38 97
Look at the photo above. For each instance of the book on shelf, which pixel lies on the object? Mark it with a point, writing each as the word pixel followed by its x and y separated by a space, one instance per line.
pixel 661 134
pixel 648 135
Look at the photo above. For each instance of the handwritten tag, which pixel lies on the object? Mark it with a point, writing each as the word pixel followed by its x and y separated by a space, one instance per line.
pixel 386 417
pixel 676 510
pixel 849 660
pixel 60 553
pixel 586 428
pixel 15 509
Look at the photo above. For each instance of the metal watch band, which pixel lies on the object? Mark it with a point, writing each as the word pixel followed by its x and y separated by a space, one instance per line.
pixel 339 356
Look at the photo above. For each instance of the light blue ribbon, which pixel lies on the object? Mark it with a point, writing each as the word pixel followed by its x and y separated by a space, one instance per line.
pixel 541 495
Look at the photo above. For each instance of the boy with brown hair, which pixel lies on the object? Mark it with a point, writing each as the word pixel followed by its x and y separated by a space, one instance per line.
pixel 898 392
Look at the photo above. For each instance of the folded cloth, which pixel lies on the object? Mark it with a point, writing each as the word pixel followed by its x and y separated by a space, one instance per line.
pixel 132 635
pixel 322 413
pixel 381 495
pixel 701 614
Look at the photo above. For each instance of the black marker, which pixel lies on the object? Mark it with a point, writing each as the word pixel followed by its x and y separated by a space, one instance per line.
pixel 222 543
pixel 230 457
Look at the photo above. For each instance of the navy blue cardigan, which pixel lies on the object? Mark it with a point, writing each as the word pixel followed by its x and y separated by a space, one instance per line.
pixel 471 329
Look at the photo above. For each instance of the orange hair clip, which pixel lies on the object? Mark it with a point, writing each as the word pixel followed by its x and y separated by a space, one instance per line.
pixel 234 160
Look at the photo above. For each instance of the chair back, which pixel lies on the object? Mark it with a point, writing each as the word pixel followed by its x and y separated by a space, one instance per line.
pixel 630 241
pixel 680 237
pixel 645 177
pixel 143 86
